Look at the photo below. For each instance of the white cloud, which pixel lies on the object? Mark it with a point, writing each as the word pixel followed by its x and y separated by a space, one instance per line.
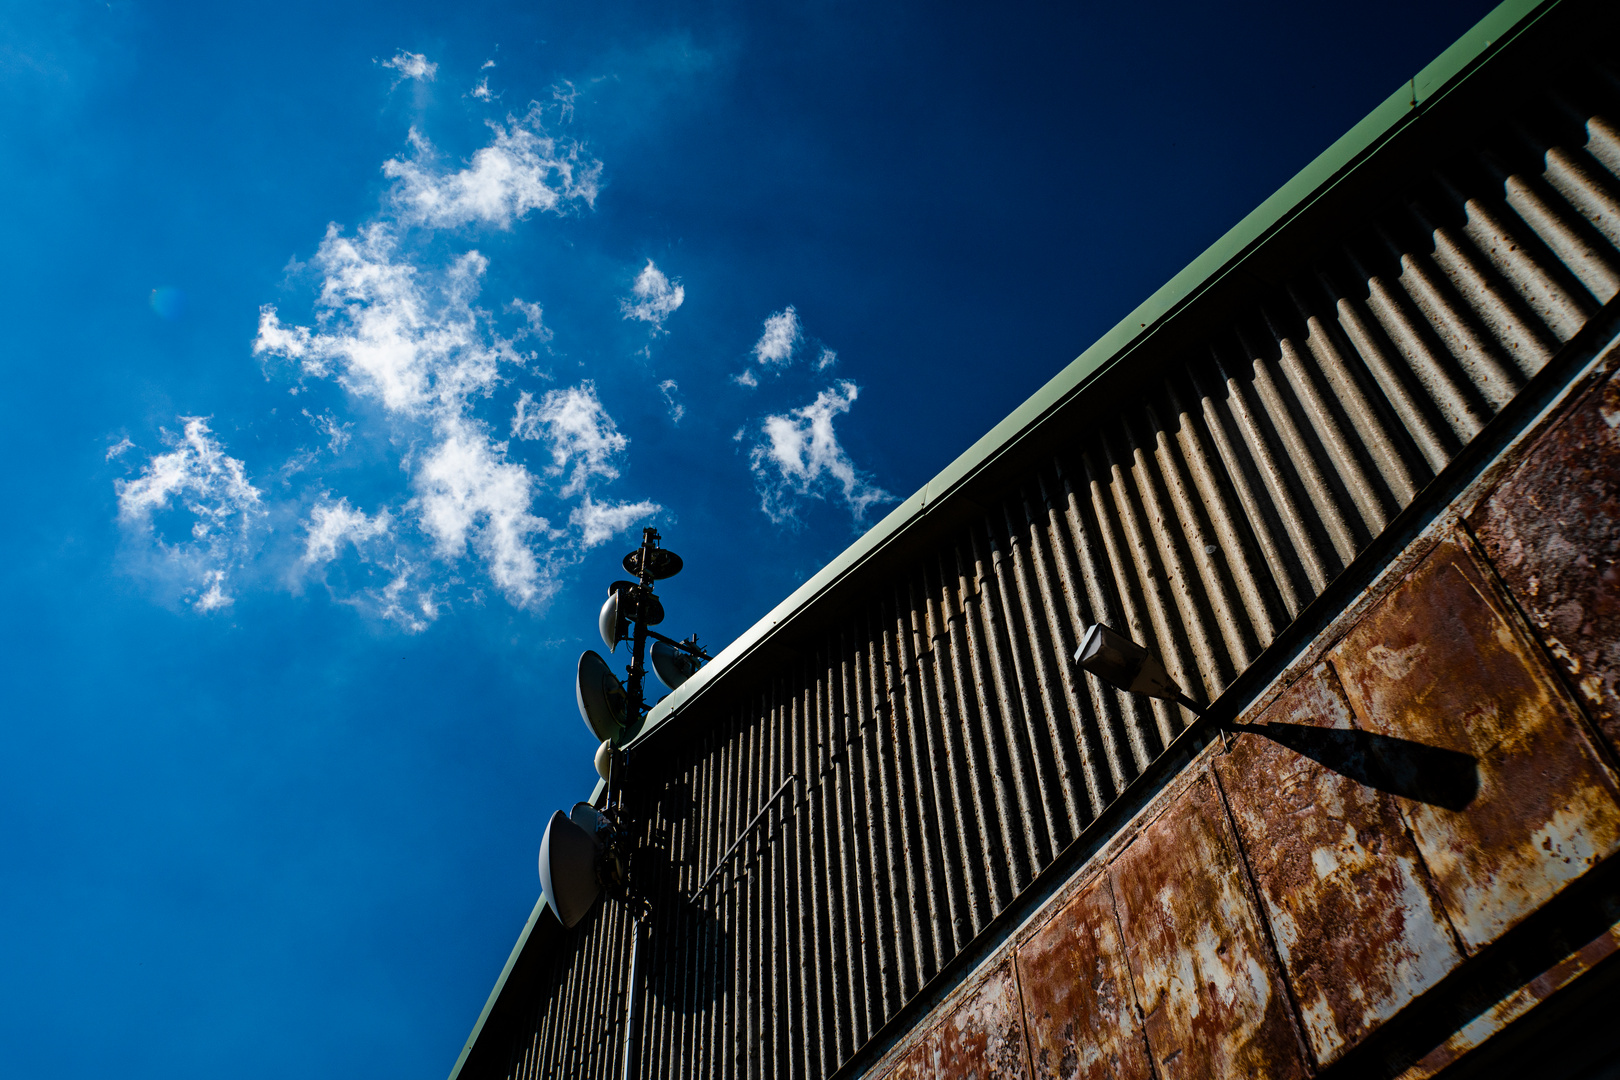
pixel 481 89
pixel 799 456
pixel 486 65
pixel 746 378
pixel 333 524
pixel 467 490
pixel 118 448
pixel 599 522
pixel 523 169
pixel 397 325
pixel 337 434
pixel 669 388
pixel 535 317
pixel 579 431
pixel 412 65
pixel 827 359
pixel 653 297
pixel 780 336
pixel 221 504
pixel 389 332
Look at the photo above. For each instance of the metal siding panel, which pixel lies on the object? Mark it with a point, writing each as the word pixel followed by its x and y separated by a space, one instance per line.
pixel 1441 662
pixel 1344 890
pixel 1203 973
pixel 1075 984
pixel 1552 530
pixel 982 1036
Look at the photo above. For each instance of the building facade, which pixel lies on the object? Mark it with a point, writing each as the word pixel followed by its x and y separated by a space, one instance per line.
pixel 1354 475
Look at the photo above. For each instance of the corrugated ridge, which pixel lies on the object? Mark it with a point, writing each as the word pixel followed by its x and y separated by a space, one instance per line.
pixel 941 749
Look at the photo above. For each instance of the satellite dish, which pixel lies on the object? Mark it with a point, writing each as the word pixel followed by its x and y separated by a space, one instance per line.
pixel 608 760
pixel 601 697
pixel 661 563
pixel 634 603
pixel 612 623
pixel 589 818
pixel 568 856
pixel 672 666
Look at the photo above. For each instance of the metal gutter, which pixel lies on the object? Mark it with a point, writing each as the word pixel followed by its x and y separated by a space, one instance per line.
pixel 1221 259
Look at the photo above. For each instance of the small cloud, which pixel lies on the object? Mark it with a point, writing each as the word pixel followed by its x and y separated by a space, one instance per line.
pixel 118 448
pixel 579 429
pixel 481 90
pixel 600 522
pixel 799 457
pixel 747 378
pixel 213 489
pixel 337 435
pixel 487 64
pixel 534 316
pixel 333 524
pixel 827 359
pixel 737 436
pixel 412 66
pixel 781 335
pixel 522 169
pixel 654 298
pixel 669 388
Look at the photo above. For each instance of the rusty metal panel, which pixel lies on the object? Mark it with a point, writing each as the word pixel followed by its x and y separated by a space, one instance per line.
pixel 1552 530
pixel 1443 662
pixel 1355 925
pixel 1075 982
pixel 1212 1001
pixel 982 1037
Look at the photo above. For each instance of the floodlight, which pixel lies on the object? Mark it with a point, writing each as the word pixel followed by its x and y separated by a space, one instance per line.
pixel 673 666
pixel 568 858
pixel 1122 663
pixel 601 697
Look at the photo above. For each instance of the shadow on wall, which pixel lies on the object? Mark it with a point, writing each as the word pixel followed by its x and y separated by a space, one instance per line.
pixel 1412 770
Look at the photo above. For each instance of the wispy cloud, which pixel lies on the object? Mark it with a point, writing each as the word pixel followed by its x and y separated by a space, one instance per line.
pixel 779 337
pixel 798 456
pixel 396 324
pixel 585 443
pixel 653 298
pixel 332 524
pixel 480 89
pixel 412 66
pixel 522 169
pixel 219 510
pixel 671 391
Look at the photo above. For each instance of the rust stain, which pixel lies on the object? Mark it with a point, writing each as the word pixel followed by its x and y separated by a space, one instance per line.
pixel 1544 811
pixel 1357 929
pixel 1552 530
pixel 982 1038
pixel 1077 997
pixel 1208 987
pixel 921 1063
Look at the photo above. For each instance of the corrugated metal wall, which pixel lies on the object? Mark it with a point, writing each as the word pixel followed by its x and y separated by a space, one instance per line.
pixel 938 750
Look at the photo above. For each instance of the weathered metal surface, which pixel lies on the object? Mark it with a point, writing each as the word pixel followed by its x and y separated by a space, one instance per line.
pixel 1078 1006
pixel 1443 662
pixel 1552 530
pixel 982 1037
pixel 1355 925
pixel 1515 1005
pixel 1212 1002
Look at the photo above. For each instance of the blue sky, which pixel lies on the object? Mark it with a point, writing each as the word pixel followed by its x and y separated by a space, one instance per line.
pixel 348 347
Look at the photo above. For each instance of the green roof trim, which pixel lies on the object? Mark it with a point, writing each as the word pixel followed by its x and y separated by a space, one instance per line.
pixel 1448 71
pixel 1506 22
pixel 500 985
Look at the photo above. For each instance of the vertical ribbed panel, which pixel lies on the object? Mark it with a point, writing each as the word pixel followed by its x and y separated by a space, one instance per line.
pixel 939 750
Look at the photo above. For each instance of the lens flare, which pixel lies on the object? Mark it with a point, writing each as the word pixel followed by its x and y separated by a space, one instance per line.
pixel 168 302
